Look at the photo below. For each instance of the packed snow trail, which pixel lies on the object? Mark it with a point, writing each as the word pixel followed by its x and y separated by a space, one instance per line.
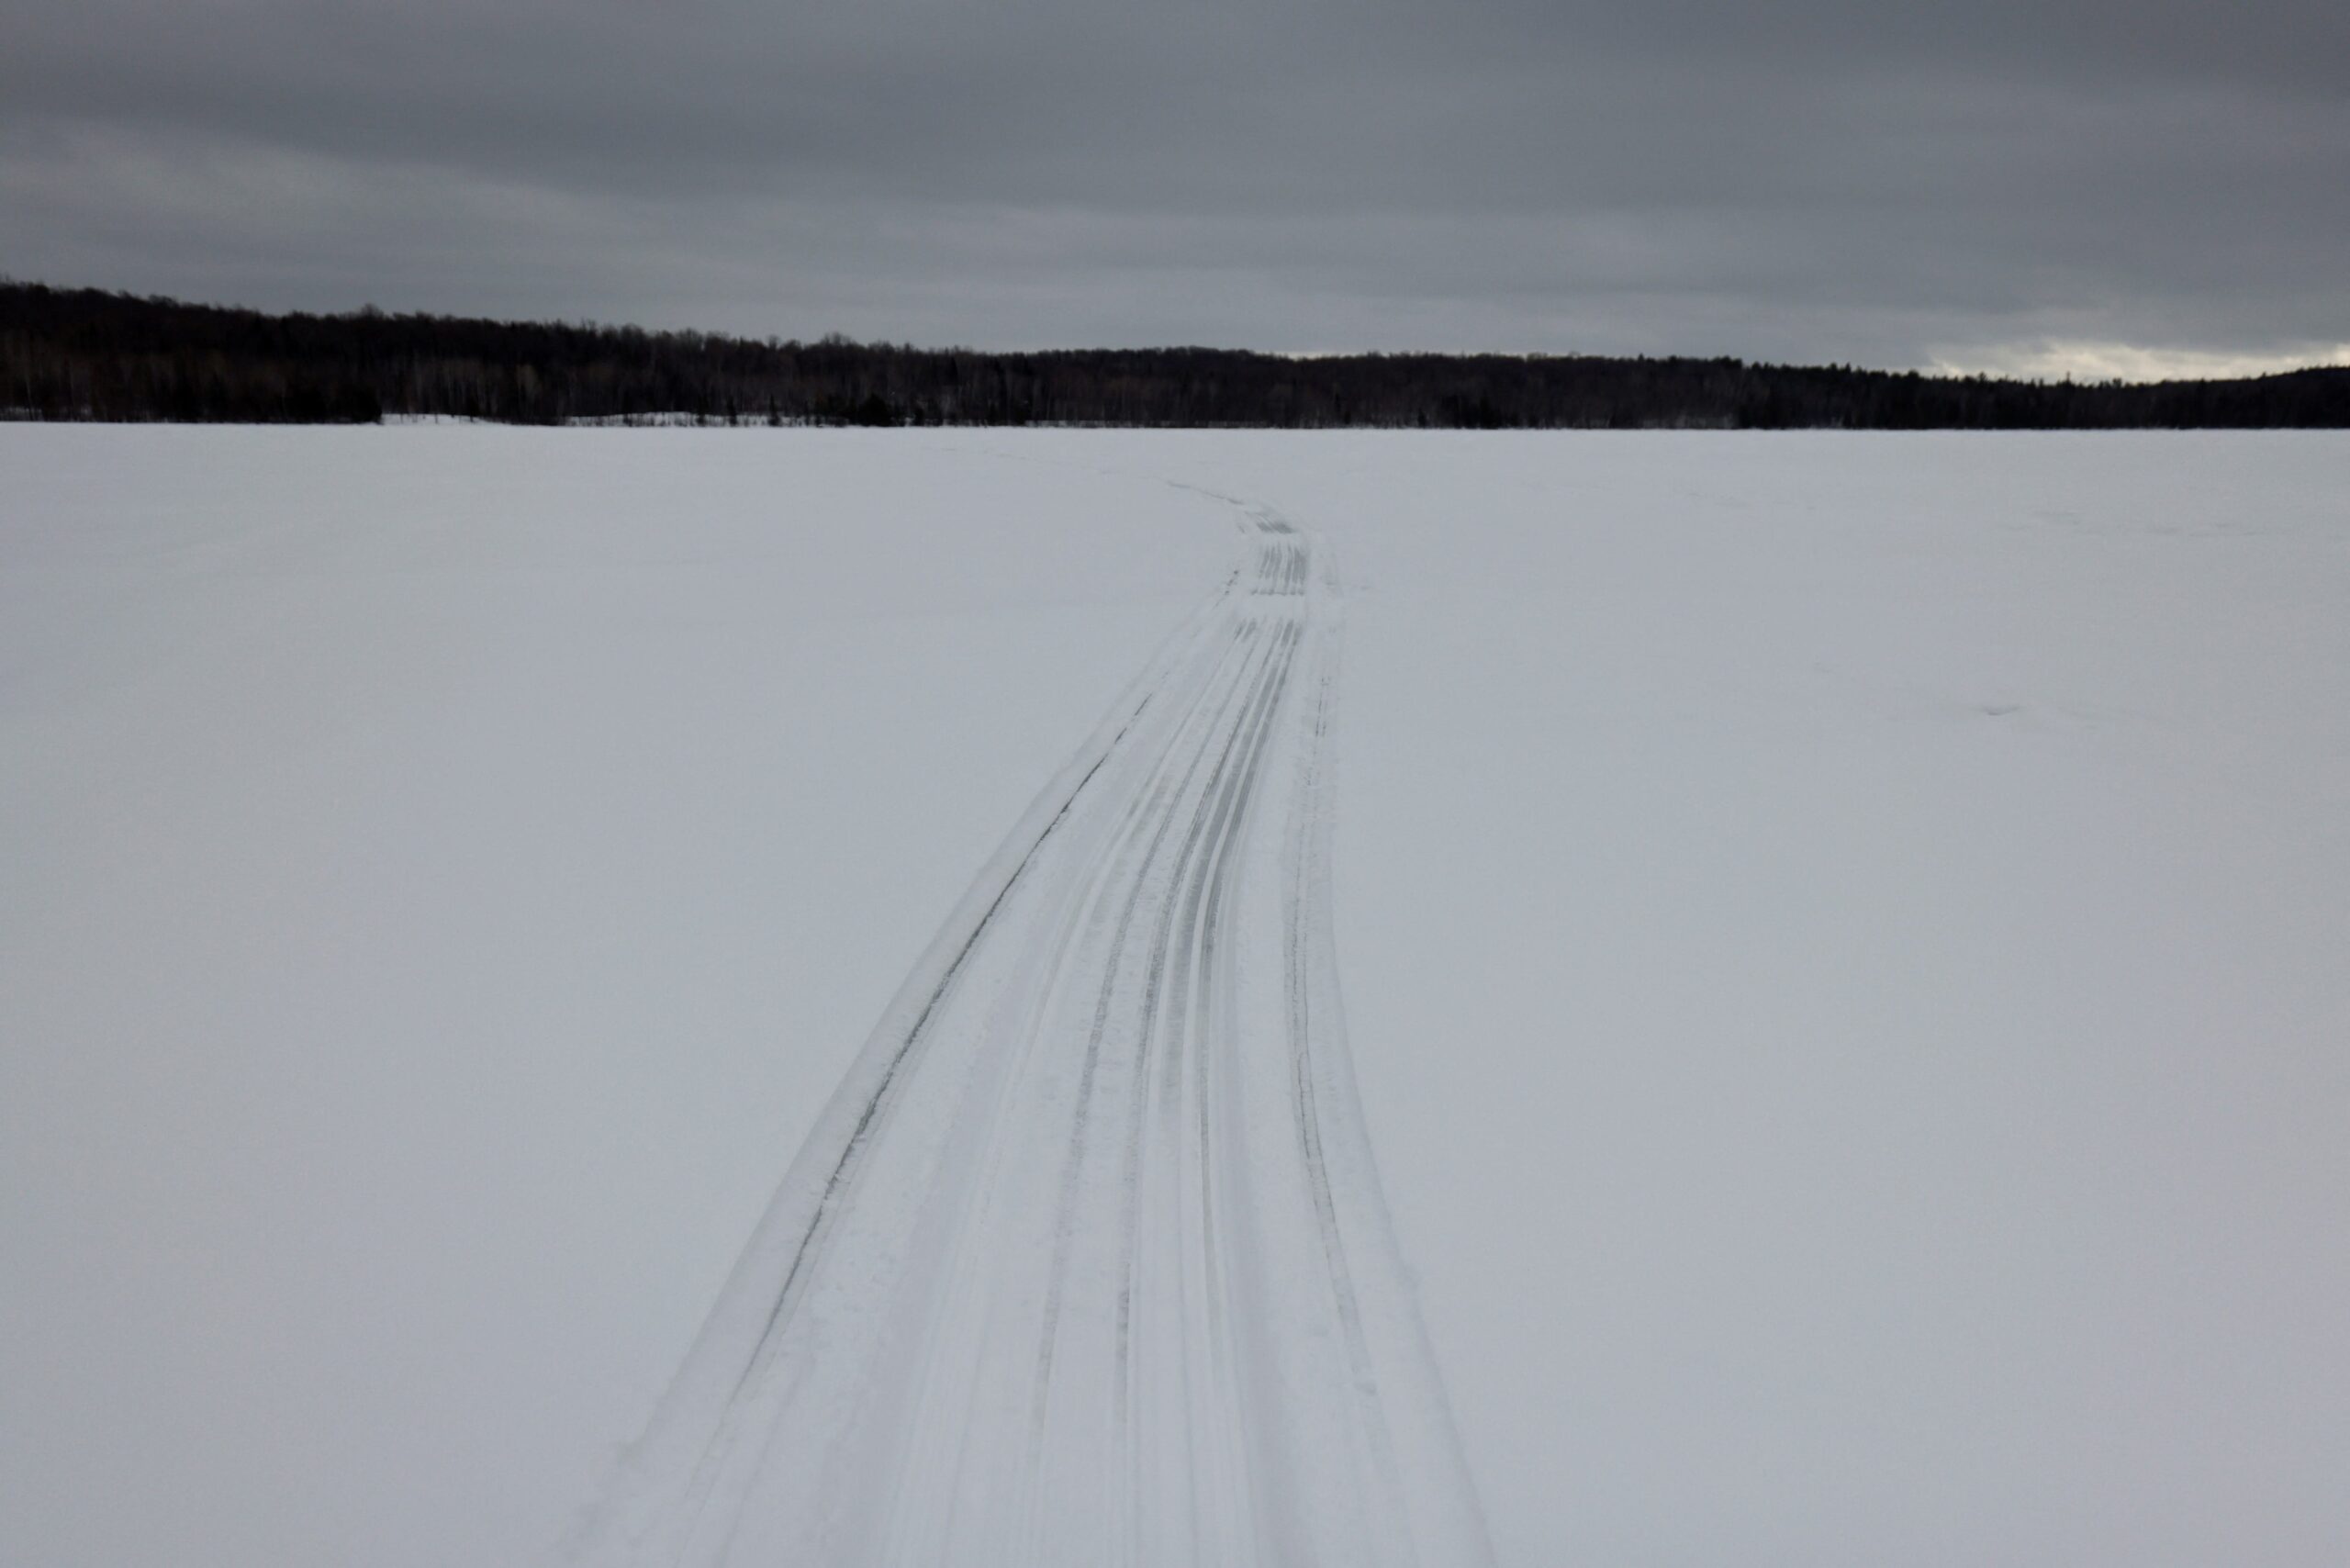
pixel 1086 1263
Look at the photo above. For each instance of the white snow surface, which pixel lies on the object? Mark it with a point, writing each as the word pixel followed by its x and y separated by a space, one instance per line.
pixel 1840 938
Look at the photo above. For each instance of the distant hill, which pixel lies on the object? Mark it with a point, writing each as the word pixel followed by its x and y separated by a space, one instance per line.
pixel 88 354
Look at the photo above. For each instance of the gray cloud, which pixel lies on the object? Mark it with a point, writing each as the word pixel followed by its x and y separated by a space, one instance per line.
pixel 1815 180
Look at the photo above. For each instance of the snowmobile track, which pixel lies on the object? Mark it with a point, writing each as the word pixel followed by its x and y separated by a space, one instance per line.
pixel 1086 1264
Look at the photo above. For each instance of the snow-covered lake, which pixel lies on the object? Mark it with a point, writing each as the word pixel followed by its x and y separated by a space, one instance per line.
pixel 1842 938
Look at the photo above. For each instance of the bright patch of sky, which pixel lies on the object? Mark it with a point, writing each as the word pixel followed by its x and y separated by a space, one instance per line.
pixel 2061 361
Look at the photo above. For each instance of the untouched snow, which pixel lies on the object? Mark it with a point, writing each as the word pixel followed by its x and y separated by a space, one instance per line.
pixel 1840 938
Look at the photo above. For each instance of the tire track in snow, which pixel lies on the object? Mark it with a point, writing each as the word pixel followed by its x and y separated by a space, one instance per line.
pixel 1086 1263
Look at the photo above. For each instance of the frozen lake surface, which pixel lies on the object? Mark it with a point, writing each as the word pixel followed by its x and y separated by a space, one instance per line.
pixel 1840 940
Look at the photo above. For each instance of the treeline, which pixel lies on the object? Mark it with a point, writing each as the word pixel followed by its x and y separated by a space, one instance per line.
pixel 87 354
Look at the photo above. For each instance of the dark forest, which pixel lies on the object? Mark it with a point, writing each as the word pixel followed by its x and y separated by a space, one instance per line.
pixel 89 355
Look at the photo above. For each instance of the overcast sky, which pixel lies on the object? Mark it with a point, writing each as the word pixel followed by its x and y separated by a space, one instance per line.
pixel 1997 183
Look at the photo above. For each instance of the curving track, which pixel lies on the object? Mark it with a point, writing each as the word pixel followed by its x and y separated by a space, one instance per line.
pixel 1086 1263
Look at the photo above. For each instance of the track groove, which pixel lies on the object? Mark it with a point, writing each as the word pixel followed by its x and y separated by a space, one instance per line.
pixel 1086 1264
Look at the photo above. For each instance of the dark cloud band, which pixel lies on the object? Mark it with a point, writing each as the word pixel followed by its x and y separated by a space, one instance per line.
pixel 1824 180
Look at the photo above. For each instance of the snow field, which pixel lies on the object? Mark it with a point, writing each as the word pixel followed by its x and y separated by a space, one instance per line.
pixel 1839 939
